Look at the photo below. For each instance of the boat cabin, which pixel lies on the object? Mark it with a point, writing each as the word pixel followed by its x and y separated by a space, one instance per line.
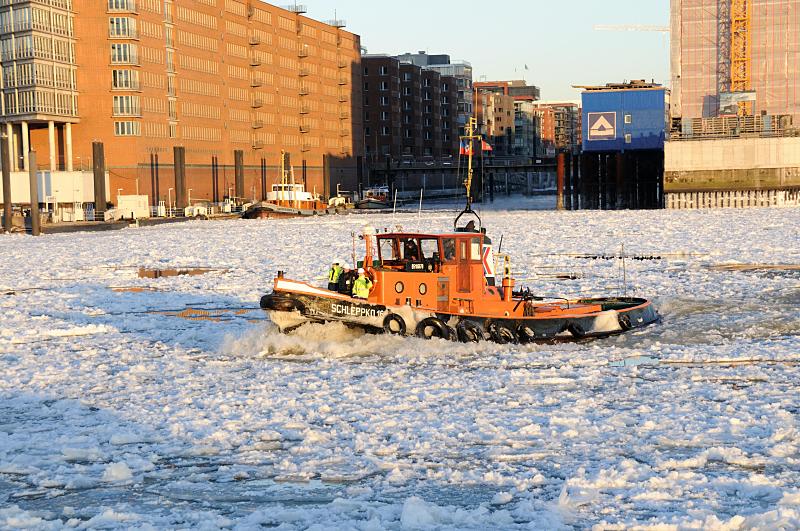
pixel 444 271
pixel 289 192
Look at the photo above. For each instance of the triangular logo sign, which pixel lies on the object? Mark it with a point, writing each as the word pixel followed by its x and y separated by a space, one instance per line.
pixel 602 125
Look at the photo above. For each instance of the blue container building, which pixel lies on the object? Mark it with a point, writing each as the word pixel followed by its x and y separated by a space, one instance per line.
pixel 623 117
pixel 622 163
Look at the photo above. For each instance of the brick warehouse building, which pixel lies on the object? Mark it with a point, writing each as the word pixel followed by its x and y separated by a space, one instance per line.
pixel 213 76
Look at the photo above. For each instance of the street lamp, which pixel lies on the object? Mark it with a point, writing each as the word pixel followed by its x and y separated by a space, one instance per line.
pixel 169 202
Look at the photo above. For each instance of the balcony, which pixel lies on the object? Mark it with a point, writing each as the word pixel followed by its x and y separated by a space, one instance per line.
pixel 134 112
pixel 344 132
pixel 303 52
pixel 305 148
pixel 336 23
pixel 256 82
pixel 304 72
pixel 342 63
pixel 258 124
pixel 303 91
pixel 343 80
pixel 257 103
pixel 255 61
pixel 254 40
pixel 342 98
pixel 344 116
pixel 305 109
pixel 133 85
pixel 296 8
pixel 305 128
pixel 258 144
pixel 117 6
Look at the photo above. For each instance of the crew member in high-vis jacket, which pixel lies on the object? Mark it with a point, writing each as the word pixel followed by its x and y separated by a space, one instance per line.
pixel 334 274
pixel 362 285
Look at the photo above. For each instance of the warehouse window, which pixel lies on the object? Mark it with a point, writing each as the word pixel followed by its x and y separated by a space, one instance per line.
pixel 121 5
pixel 122 27
pixel 124 79
pixel 628 119
pixel 127 129
pixel 628 139
pixel 123 53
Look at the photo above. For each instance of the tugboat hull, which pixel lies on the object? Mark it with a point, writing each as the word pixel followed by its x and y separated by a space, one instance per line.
pixel 301 303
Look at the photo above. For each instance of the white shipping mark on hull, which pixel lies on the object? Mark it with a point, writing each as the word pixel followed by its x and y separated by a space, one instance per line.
pixel 356 311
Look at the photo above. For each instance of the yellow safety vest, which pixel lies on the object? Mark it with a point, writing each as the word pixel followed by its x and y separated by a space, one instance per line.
pixel 361 287
pixel 335 273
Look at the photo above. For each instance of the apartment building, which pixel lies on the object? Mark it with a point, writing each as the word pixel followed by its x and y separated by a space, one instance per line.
pixel 565 131
pixel 496 116
pixel 213 76
pixel 517 88
pixel 409 112
pixel 460 70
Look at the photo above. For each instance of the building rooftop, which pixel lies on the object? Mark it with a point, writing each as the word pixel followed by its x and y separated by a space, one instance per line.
pixel 634 84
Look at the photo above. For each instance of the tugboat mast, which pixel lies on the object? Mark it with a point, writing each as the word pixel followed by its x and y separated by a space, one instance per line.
pixel 470 137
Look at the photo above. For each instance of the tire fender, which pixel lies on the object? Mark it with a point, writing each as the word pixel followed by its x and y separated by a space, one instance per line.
pixel 470 332
pixel 394 324
pixel 576 330
pixel 437 328
pixel 502 333
pixel 625 322
pixel 525 334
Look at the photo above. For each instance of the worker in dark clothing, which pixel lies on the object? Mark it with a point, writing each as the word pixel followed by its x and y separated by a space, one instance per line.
pixel 410 250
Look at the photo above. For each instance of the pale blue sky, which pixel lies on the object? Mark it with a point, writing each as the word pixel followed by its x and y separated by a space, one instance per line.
pixel 553 37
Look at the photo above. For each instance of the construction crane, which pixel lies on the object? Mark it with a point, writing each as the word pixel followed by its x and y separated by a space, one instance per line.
pixel 631 27
pixel 741 51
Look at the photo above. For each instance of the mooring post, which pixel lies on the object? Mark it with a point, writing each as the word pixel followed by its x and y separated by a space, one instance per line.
pixel 7 213
pixel 99 170
pixel 238 158
pixel 263 179
pixel 158 185
pixel 36 228
pixel 560 162
pixel 153 198
pixel 179 164
pixel 213 179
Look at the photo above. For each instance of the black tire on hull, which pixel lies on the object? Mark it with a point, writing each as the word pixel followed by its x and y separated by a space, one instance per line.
pixel 502 333
pixel 470 332
pixel 394 324
pixel 433 327
pixel 280 304
pixel 576 330
pixel 625 322
pixel 526 334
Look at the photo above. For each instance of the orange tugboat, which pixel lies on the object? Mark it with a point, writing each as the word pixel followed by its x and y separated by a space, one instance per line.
pixel 444 286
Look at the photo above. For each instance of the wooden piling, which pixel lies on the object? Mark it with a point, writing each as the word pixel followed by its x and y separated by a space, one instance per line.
pixel 6 162
pixel 36 228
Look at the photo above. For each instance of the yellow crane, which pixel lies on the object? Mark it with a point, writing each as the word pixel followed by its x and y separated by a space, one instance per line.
pixel 741 51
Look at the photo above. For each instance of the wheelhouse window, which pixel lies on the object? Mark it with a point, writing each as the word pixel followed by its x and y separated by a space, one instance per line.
pixel 388 250
pixel 430 248
pixel 475 249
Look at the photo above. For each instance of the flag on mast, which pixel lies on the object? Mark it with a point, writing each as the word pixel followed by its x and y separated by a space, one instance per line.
pixel 466 148
pixel 485 146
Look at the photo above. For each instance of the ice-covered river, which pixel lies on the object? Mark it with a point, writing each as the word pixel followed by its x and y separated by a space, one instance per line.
pixel 118 409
